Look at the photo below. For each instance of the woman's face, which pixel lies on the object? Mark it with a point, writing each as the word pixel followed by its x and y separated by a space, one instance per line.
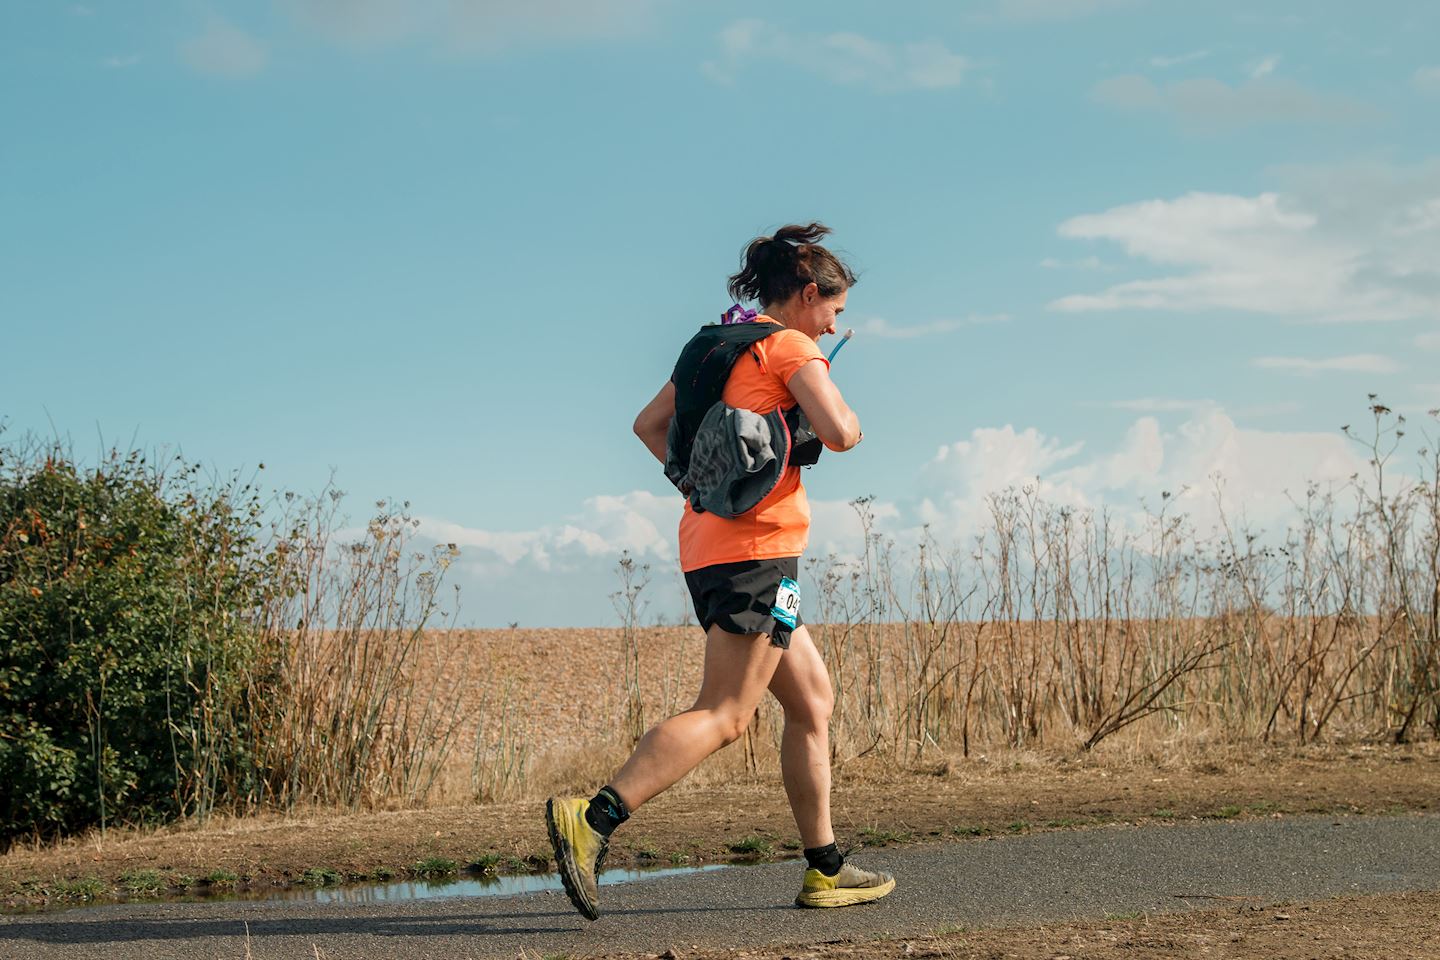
pixel 812 313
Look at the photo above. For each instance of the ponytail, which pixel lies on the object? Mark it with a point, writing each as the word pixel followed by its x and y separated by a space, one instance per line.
pixel 775 268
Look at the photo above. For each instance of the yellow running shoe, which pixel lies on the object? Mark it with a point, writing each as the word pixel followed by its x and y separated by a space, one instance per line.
pixel 850 886
pixel 579 852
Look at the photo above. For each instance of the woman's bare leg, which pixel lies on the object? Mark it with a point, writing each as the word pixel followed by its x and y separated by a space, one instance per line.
pixel 738 668
pixel 802 685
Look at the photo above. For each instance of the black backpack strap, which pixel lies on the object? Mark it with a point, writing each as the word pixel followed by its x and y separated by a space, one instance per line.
pixel 805 444
pixel 700 375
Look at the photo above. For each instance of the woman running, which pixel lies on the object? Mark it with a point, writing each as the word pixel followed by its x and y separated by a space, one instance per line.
pixel 742 570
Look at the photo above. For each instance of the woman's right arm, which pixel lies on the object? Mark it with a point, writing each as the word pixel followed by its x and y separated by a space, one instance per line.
pixel 830 416
pixel 653 424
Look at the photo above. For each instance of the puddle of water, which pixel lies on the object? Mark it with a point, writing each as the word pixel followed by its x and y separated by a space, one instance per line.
pixel 506 886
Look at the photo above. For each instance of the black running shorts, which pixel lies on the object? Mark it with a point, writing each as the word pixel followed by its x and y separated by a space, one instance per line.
pixel 751 596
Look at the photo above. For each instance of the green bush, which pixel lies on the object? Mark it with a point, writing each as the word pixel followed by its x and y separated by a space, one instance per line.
pixel 169 644
pixel 127 663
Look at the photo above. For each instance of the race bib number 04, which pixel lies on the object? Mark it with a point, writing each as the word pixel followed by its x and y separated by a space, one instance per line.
pixel 787 602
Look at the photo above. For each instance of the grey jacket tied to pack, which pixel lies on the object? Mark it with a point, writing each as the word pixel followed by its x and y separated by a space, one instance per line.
pixel 724 459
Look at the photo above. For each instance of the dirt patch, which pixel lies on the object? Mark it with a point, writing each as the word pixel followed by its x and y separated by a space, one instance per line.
pixel 714 819
pixel 1390 927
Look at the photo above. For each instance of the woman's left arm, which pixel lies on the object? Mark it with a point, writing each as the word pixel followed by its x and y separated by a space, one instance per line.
pixel 653 424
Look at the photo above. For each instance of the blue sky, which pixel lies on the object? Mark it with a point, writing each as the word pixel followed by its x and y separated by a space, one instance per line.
pixel 448 252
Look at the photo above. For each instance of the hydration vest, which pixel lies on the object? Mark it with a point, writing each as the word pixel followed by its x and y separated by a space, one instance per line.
pixel 723 459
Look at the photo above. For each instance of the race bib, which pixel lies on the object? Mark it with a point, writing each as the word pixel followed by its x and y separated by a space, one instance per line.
pixel 787 603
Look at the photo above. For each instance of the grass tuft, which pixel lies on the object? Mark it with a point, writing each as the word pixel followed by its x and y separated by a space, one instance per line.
pixel 487 864
pixel 222 879
pixel 753 846
pixel 432 868
pixel 142 883
pixel 84 888
pixel 321 877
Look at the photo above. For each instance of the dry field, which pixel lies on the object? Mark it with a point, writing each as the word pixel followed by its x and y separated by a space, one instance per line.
pixel 546 710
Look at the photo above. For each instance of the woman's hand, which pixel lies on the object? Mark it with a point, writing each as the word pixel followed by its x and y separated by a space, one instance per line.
pixel 653 424
pixel 830 416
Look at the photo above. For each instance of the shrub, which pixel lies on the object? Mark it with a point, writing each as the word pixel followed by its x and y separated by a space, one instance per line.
pixel 126 662
pixel 170 643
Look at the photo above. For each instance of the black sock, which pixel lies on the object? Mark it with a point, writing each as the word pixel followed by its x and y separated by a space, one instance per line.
pixel 606 811
pixel 826 859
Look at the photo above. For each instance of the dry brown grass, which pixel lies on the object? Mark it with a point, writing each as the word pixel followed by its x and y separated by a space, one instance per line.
pixel 565 709
pixel 1057 629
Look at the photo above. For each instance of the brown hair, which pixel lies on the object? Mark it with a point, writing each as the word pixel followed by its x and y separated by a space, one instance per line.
pixel 776 268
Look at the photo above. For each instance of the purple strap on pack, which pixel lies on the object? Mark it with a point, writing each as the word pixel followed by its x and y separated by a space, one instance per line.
pixel 738 314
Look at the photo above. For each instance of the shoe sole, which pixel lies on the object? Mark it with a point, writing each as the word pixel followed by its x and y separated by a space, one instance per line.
pixel 565 862
pixel 844 896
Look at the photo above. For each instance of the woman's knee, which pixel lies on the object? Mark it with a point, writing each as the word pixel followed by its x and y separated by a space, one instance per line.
pixel 732 724
pixel 811 711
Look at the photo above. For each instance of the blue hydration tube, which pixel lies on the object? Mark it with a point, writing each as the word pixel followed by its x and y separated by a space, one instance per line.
pixel 843 340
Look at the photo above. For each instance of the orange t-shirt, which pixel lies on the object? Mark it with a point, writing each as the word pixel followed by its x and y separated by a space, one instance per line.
pixel 779 526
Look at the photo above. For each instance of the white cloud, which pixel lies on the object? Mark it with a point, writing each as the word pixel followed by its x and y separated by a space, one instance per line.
pixel 120 63
pixel 835 526
pixel 885 330
pixel 224 49
pixel 957 479
pixel 564 573
pixel 639 522
pixel 1353 363
pixel 1428 341
pixel 1203 229
pixel 1057 9
pixel 1209 105
pixel 1264 67
pixel 1163 62
pixel 1257 468
pixel 472 27
pixel 1427 80
pixel 1343 244
pixel 849 59
pixel 1084 263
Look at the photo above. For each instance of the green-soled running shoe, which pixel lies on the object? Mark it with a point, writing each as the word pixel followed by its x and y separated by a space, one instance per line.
pixel 848 887
pixel 579 852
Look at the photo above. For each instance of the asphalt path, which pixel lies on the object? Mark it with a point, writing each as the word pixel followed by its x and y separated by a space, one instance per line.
pixel 994 882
